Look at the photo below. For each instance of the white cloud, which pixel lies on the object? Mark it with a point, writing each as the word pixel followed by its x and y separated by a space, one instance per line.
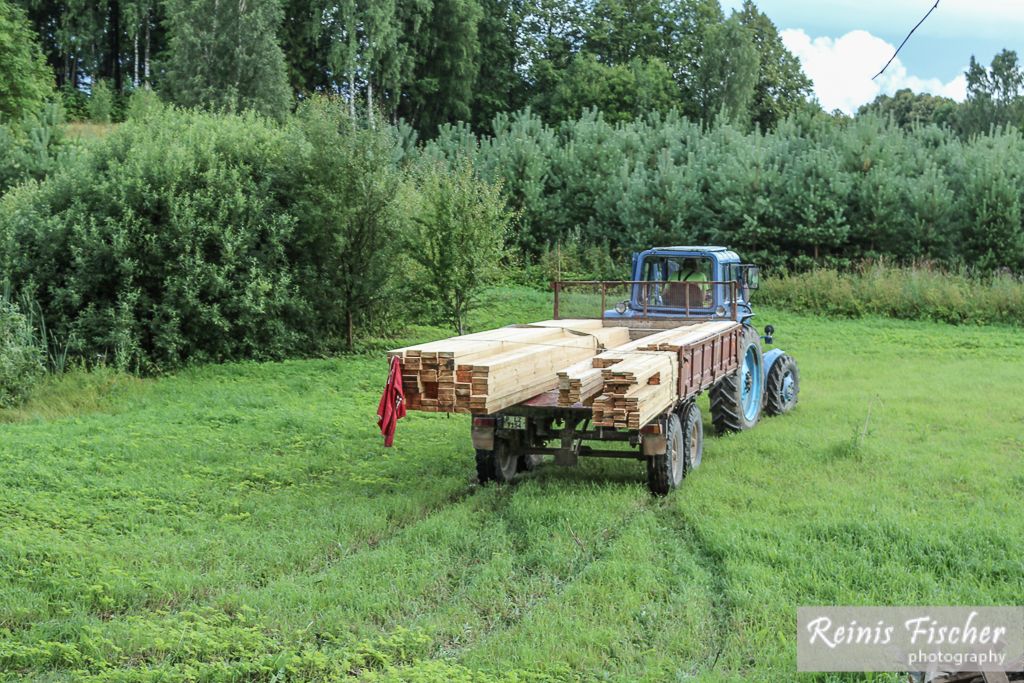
pixel 841 69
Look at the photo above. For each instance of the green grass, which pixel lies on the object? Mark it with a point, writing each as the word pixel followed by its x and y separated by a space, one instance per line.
pixel 244 522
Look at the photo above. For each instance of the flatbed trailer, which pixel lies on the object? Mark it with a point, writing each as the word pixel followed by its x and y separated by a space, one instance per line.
pixel 513 439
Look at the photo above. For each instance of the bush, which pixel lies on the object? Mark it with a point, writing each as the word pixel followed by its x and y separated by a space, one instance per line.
pixel 194 237
pixel 911 293
pixel 21 358
pixel 457 237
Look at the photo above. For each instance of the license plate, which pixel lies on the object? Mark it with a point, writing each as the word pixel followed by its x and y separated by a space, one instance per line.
pixel 513 422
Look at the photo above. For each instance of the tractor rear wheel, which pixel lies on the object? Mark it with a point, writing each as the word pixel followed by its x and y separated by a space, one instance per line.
pixel 737 399
pixel 782 388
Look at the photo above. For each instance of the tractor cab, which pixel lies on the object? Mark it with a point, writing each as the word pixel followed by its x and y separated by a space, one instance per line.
pixel 688 282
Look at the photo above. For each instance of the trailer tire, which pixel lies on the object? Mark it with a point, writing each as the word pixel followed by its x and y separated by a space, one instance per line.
pixel 484 466
pixel 528 462
pixel 693 437
pixel 666 471
pixel 736 400
pixel 782 387
pixel 500 464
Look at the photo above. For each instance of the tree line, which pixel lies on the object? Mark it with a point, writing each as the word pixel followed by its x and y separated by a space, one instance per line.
pixel 995 97
pixel 811 191
pixel 428 62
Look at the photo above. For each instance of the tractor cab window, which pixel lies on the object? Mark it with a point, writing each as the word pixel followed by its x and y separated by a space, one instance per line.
pixel 678 282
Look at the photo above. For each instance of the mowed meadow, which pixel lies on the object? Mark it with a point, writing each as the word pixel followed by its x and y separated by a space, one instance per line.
pixel 243 522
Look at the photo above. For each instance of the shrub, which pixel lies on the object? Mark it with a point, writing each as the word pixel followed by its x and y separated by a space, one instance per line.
pixel 912 293
pixel 101 103
pixel 21 358
pixel 186 236
pixel 457 237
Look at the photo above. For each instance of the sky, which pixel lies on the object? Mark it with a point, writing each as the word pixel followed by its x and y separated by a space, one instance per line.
pixel 843 43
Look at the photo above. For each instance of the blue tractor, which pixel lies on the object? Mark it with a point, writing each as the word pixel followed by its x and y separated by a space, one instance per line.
pixel 709 283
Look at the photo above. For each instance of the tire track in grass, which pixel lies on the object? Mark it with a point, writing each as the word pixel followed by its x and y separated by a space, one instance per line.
pixel 634 610
pixel 711 561
pixel 526 589
pixel 532 627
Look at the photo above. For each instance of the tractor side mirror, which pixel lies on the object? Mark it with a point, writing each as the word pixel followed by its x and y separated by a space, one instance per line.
pixel 752 276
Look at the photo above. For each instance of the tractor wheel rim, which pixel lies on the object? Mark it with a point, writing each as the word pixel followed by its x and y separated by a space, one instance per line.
pixel 788 386
pixel 750 388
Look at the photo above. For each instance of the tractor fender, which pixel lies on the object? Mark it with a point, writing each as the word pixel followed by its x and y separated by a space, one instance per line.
pixel 770 358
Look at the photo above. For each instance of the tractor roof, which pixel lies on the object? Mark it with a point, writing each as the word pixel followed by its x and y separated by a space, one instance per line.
pixel 707 249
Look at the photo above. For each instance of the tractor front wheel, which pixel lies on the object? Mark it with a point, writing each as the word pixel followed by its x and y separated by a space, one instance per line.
pixel 737 399
pixel 782 387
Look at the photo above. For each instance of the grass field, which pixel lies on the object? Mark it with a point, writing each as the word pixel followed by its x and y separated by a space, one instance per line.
pixel 244 522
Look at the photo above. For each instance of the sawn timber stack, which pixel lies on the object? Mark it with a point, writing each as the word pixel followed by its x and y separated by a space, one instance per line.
pixel 487 371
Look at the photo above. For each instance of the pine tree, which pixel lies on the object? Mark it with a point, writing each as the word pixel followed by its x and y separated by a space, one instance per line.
pixel 25 80
pixel 223 54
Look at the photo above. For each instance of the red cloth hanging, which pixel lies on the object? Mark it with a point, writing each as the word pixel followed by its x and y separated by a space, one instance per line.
pixel 392 404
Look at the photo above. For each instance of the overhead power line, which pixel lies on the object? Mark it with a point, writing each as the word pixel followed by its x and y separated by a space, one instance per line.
pixel 905 40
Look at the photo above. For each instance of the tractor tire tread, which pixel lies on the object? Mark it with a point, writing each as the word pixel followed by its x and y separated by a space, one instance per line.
pixel 774 404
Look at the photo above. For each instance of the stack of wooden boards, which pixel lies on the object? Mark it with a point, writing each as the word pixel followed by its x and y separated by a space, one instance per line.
pixel 626 382
pixel 487 371
pixel 629 385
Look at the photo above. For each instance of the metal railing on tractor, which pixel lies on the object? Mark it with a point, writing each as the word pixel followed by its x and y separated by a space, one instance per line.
pixel 659 311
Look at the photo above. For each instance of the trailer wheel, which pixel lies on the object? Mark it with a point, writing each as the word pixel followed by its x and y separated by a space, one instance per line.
pixel 500 464
pixel 736 400
pixel 693 437
pixel 666 471
pixel 782 388
pixel 527 462
pixel 484 466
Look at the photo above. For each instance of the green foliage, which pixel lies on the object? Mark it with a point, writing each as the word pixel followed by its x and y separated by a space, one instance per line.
pixel 782 87
pixel 225 56
pixel 349 227
pixel 912 293
pixel 32 147
pixel 727 74
pixel 457 237
pixel 909 109
pixel 186 237
pixel 994 95
pixel 142 103
pixel 26 82
pixel 244 522
pixel 101 103
pixel 807 192
pixel 621 92
pixel 21 359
